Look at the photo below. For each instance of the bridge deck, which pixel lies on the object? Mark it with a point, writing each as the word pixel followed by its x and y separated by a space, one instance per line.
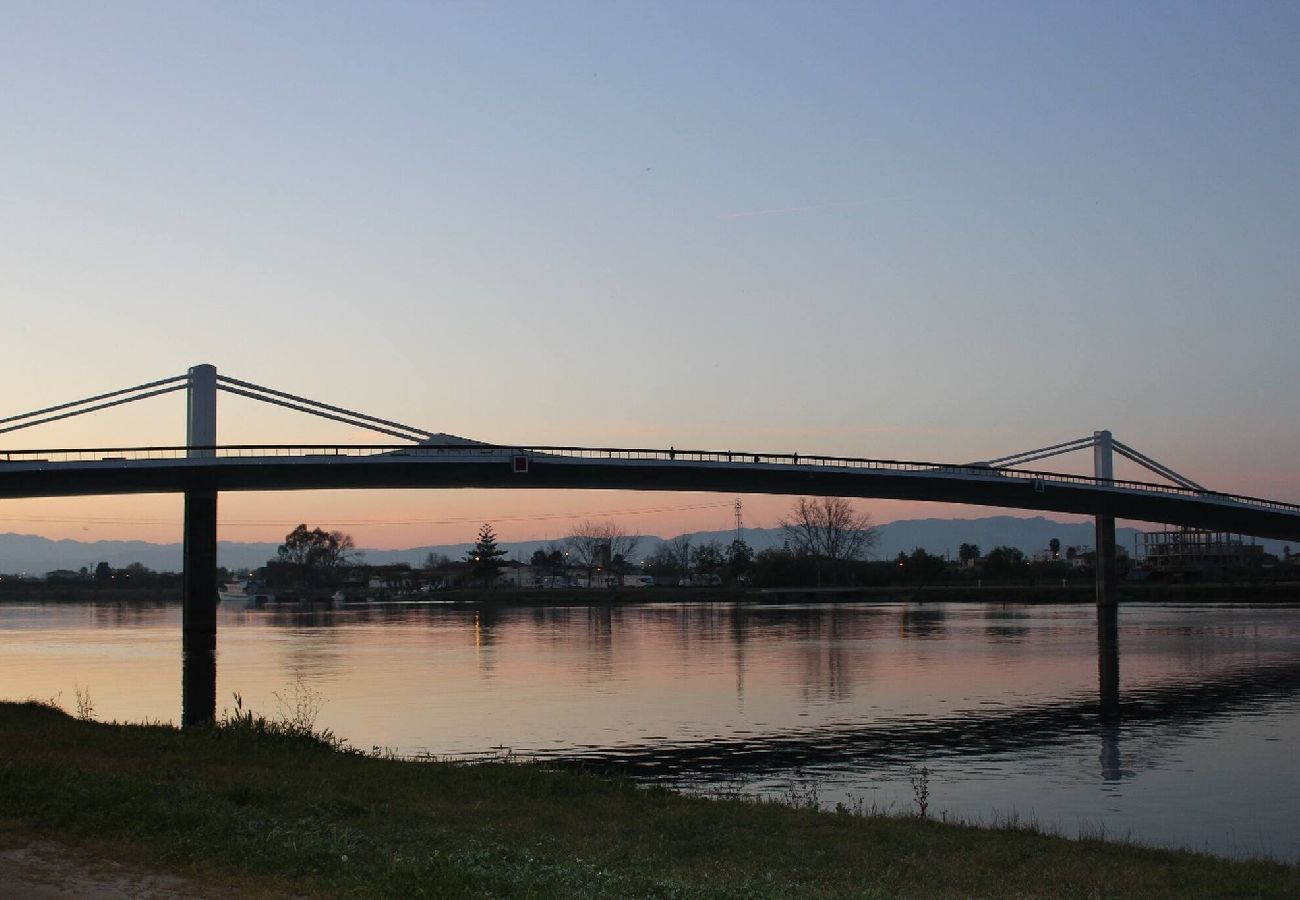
pixel 132 470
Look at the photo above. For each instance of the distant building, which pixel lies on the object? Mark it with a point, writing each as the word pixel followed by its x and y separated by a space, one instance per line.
pixel 1188 551
pixel 520 575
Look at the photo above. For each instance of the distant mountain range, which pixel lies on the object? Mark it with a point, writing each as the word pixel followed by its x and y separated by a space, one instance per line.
pixel 25 553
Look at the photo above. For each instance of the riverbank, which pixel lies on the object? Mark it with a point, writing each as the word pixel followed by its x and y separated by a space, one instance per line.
pixel 1072 592
pixel 35 592
pixel 256 807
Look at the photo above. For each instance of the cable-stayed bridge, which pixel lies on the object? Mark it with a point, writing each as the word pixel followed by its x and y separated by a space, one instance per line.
pixel 417 458
pixel 420 458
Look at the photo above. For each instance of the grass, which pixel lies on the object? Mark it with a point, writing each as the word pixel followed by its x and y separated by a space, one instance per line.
pixel 271 807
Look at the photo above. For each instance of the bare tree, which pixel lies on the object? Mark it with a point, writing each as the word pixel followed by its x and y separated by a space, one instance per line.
pixel 435 560
pixel 679 548
pixel 594 543
pixel 828 529
pixel 661 563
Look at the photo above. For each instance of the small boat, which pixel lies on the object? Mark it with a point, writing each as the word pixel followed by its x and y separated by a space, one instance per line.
pixel 248 595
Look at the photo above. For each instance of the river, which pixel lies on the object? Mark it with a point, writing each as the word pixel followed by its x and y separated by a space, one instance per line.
pixel 1000 704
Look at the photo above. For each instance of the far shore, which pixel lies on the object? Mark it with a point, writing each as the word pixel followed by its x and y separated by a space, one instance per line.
pixel 1081 591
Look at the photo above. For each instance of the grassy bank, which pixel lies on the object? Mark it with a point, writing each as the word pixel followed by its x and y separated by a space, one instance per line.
pixel 261 808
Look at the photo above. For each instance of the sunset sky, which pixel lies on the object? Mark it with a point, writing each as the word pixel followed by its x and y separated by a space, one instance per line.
pixel 923 231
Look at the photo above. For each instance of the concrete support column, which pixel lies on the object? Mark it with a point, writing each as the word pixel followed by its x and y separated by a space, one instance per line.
pixel 199 611
pixel 1107 568
pixel 1103 458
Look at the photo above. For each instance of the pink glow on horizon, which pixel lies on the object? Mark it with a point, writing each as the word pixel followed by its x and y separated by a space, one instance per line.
pixel 395 520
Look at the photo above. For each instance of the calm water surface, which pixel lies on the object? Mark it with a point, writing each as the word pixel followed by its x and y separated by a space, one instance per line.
pixel 1000 702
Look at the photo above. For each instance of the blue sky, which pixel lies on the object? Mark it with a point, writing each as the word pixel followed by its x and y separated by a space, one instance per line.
pixel 943 231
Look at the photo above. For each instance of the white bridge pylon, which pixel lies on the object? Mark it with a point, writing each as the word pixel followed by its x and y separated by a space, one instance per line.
pixel 201 383
pixel 1103 446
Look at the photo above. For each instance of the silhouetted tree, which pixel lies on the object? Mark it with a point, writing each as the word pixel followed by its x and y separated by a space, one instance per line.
pixel 594 544
pixel 921 566
pixel 680 550
pixel 662 563
pixel 485 557
pixel 1055 546
pixel 774 567
pixel 435 560
pixel 103 572
pixel 137 574
pixel 828 530
pixel 310 559
pixel 316 549
pixel 550 558
pixel 707 558
pixel 968 552
pixel 740 559
pixel 1003 561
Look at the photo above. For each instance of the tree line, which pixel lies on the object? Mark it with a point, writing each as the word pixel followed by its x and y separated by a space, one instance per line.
pixel 826 541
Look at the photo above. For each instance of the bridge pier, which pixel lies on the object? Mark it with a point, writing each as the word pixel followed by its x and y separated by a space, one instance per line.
pixel 199 609
pixel 1107 568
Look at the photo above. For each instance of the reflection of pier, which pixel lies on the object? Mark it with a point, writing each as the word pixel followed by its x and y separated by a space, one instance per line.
pixel 973 733
pixel 1108 704
pixel 817 653
pixel 826 672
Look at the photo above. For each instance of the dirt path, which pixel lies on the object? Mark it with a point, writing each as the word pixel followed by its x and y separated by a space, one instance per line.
pixel 44 869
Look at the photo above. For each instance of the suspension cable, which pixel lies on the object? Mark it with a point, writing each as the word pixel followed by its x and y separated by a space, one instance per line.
pixel 1042 452
pixel 316 412
pixel 314 406
pixel 1159 468
pixel 90 409
pixel 97 397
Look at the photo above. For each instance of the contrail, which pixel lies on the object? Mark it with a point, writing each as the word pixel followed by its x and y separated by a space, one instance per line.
pixel 744 214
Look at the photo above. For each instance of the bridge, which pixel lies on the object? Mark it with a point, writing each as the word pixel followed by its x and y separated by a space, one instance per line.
pixel 201 468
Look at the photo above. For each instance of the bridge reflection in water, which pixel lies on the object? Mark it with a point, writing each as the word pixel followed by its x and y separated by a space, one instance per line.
pixel 829 654
pixel 1108 704
pixel 976 733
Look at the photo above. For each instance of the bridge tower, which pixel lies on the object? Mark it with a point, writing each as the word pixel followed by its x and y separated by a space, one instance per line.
pixel 1103 459
pixel 199 610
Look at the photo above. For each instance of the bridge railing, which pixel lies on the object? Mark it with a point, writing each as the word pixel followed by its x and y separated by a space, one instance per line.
pixel 636 454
